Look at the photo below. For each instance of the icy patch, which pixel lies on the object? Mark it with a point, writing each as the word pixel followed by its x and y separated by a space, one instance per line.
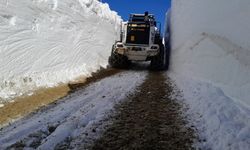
pixel 55 4
pixel 13 21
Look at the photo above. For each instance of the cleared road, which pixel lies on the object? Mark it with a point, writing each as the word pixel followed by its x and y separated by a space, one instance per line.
pixel 129 109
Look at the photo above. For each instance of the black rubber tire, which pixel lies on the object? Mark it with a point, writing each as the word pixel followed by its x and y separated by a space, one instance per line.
pixel 118 61
pixel 158 62
pixel 167 54
pixel 167 57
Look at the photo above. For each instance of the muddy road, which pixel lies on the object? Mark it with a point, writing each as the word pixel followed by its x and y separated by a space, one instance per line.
pixel 149 119
pixel 131 109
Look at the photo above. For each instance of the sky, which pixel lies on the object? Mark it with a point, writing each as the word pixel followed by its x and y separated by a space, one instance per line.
pixel 125 7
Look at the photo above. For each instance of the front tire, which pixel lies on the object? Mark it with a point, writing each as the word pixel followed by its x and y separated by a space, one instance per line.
pixel 157 62
pixel 117 60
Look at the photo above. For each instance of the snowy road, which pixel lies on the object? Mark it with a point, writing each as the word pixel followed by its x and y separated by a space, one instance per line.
pixel 73 115
pixel 149 119
pixel 127 104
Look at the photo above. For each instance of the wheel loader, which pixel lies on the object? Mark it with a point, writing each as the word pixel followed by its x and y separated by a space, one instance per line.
pixel 140 40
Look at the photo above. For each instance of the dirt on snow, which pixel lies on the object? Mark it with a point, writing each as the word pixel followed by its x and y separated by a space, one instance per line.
pixel 149 119
pixel 24 105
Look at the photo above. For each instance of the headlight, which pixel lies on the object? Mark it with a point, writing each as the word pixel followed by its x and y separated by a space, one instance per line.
pixel 119 45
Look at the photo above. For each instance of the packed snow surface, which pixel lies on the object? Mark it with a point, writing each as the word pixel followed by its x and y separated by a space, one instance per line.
pixel 210 63
pixel 74 116
pixel 210 41
pixel 220 121
pixel 47 42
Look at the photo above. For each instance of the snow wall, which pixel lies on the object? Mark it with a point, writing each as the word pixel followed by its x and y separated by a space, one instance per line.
pixel 47 42
pixel 210 42
pixel 167 28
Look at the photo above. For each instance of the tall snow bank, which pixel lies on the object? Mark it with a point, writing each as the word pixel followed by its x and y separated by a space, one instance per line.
pixel 47 42
pixel 210 42
pixel 167 27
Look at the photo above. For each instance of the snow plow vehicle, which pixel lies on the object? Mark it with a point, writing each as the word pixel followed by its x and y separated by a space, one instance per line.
pixel 140 40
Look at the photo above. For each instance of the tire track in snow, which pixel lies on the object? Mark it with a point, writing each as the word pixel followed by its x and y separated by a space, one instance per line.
pixel 148 119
